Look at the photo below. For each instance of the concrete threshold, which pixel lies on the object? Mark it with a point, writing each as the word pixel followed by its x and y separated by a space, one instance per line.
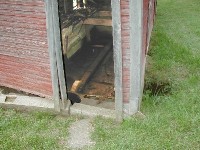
pixel 92 111
pixel 29 103
pixel 26 103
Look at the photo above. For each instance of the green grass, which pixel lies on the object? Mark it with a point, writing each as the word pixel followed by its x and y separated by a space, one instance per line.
pixel 35 131
pixel 172 120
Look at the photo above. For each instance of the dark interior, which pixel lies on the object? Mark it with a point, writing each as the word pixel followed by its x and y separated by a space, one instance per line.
pixel 87 48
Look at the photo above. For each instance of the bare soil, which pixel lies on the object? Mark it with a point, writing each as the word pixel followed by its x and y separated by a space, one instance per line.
pixel 101 84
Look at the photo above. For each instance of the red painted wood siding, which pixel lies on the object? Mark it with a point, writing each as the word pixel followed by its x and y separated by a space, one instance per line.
pixel 149 8
pixel 145 27
pixel 152 13
pixel 125 49
pixel 148 20
pixel 24 58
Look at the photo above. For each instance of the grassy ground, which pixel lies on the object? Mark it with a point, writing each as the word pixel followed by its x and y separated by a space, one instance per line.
pixel 172 117
pixel 36 131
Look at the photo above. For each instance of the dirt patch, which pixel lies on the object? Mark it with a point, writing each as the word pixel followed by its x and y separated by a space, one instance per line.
pixel 10 91
pixel 102 83
pixel 80 132
pixel 10 98
pixel 6 91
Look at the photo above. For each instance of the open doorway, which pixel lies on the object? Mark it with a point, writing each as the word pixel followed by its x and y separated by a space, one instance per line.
pixel 86 28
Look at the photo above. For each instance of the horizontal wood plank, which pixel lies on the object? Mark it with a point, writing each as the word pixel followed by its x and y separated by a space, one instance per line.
pixel 105 13
pixel 100 22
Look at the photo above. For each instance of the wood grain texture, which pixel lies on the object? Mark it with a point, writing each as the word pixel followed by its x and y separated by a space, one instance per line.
pixel 24 56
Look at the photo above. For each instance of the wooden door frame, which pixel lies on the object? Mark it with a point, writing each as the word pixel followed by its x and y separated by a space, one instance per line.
pixel 117 56
pixel 55 54
pixel 56 61
pixel 136 64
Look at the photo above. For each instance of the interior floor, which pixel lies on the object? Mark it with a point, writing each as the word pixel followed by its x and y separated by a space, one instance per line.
pixel 101 83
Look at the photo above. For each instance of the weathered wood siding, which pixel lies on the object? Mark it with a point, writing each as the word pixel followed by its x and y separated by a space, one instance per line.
pixel 148 18
pixel 149 10
pixel 24 58
pixel 125 49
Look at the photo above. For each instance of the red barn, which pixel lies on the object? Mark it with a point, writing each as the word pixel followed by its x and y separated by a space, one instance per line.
pixel 31 56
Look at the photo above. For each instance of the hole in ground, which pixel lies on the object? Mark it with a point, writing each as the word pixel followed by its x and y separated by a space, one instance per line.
pixel 157 88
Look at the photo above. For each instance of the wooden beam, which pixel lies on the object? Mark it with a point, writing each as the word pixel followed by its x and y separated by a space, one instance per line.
pixel 99 22
pixel 52 55
pixel 78 86
pixel 56 61
pixel 59 56
pixel 136 67
pixel 105 13
pixel 117 48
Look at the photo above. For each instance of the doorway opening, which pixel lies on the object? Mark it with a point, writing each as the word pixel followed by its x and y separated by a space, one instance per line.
pixel 86 28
